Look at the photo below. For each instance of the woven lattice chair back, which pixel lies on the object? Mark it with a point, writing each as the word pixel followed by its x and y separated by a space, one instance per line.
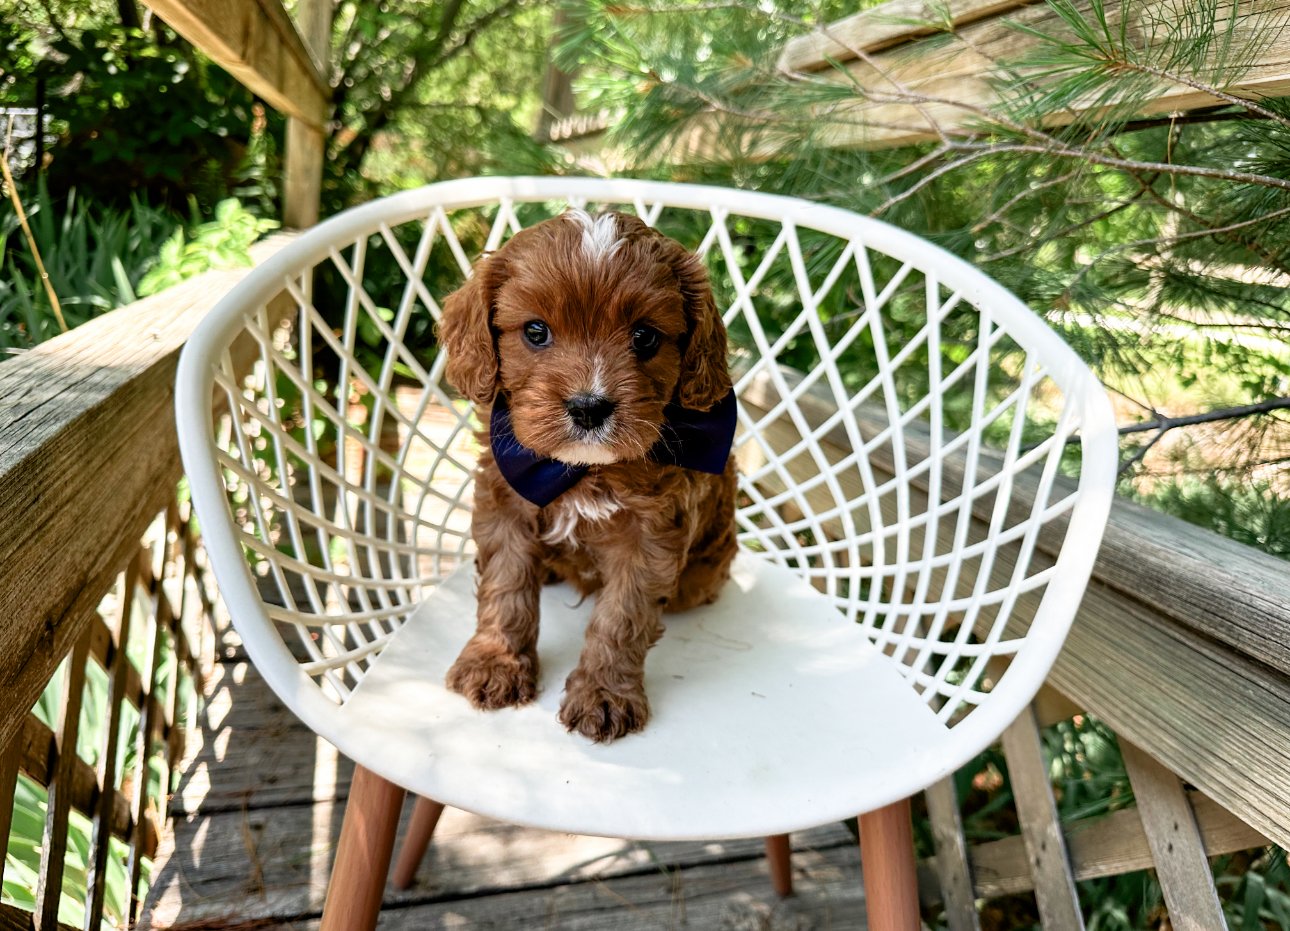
pixel 913 441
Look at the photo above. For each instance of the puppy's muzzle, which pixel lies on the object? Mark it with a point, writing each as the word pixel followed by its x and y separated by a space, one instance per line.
pixel 589 411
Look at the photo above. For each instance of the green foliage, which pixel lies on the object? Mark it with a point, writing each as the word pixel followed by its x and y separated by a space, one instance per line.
pixel 1253 888
pixel 99 257
pixel 428 92
pixel 96 257
pixel 224 242
pixel 1250 513
pixel 1158 247
pixel 133 111
pixel 1155 247
pixel 22 862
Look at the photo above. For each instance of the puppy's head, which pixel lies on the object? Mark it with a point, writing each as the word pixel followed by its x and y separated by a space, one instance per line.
pixel 590 326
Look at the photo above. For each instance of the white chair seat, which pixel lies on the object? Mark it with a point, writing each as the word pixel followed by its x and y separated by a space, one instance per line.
pixel 771 713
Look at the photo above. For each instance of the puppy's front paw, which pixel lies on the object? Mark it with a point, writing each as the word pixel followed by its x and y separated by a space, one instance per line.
pixel 492 677
pixel 599 713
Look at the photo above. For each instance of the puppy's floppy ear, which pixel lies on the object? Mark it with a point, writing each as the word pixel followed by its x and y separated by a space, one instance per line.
pixel 466 333
pixel 705 376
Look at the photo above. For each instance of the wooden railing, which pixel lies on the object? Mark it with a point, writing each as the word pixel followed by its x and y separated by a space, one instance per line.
pixel 1181 645
pixel 911 93
pixel 157 608
pixel 89 468
pixel 950 84
pixel 89 462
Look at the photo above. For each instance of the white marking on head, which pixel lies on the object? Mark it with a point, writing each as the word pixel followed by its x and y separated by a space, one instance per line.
pixel 599 234
pixel 598 377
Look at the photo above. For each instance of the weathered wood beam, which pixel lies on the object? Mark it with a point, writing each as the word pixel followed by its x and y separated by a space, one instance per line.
pixel 910 91
pixel 1177 846
pixel 953 870
pixel 953 78
pixel 1180 643
pixel 88 457
pixel 882 27
pixel 1041 826
pixel 58 808
pixel 257 43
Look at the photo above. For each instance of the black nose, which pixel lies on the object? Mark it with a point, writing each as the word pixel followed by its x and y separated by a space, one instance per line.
pixel 589 411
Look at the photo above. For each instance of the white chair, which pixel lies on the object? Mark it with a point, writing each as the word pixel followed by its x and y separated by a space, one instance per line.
pixel 913 554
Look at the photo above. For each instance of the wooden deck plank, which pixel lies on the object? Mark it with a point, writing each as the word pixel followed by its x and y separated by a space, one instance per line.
pixel 88 456
pixel 260 805
pixel 273 863
pixel 731 897
pixel 249 751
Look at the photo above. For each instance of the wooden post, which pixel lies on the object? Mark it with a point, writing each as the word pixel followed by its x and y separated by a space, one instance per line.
pixel 890 873
pixel 1041 828
pixel 306 144
pixel 1176 843
pixel 53 847
pixel 557 85
pixel 952 867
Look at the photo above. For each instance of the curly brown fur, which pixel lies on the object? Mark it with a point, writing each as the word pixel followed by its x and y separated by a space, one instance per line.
pixel 644 538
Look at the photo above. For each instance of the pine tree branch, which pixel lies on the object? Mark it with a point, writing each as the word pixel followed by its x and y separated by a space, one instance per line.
pixel 997 215
pixel 1232 99
pixel 1227 413
pixel 1139 454
pixel 1067 230
pixel 1268 325
pixel 1162 425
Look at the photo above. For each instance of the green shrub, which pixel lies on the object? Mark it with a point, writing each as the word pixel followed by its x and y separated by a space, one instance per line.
pixel 95 256
pixel 133 111
pixel 99 257
pixel 1252 512
pixel 224 242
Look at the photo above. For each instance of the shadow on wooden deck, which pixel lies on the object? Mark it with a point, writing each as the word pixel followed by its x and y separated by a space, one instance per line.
pixel 259 809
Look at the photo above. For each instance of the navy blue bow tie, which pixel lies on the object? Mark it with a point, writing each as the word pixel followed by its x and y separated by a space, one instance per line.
pixel 698 440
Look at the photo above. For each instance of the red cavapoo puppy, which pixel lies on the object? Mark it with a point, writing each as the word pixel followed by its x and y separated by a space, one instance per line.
pixel 592 348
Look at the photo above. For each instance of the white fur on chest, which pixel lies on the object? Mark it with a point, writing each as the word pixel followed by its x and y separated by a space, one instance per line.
pixel 569 512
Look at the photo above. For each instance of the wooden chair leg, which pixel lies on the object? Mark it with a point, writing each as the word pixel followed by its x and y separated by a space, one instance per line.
pixel 424 818
pixel 779 859
pixel 890 871
pixel 363 854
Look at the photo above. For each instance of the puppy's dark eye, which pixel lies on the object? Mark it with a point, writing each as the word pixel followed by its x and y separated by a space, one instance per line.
pixel 645 341
pixel 537 333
